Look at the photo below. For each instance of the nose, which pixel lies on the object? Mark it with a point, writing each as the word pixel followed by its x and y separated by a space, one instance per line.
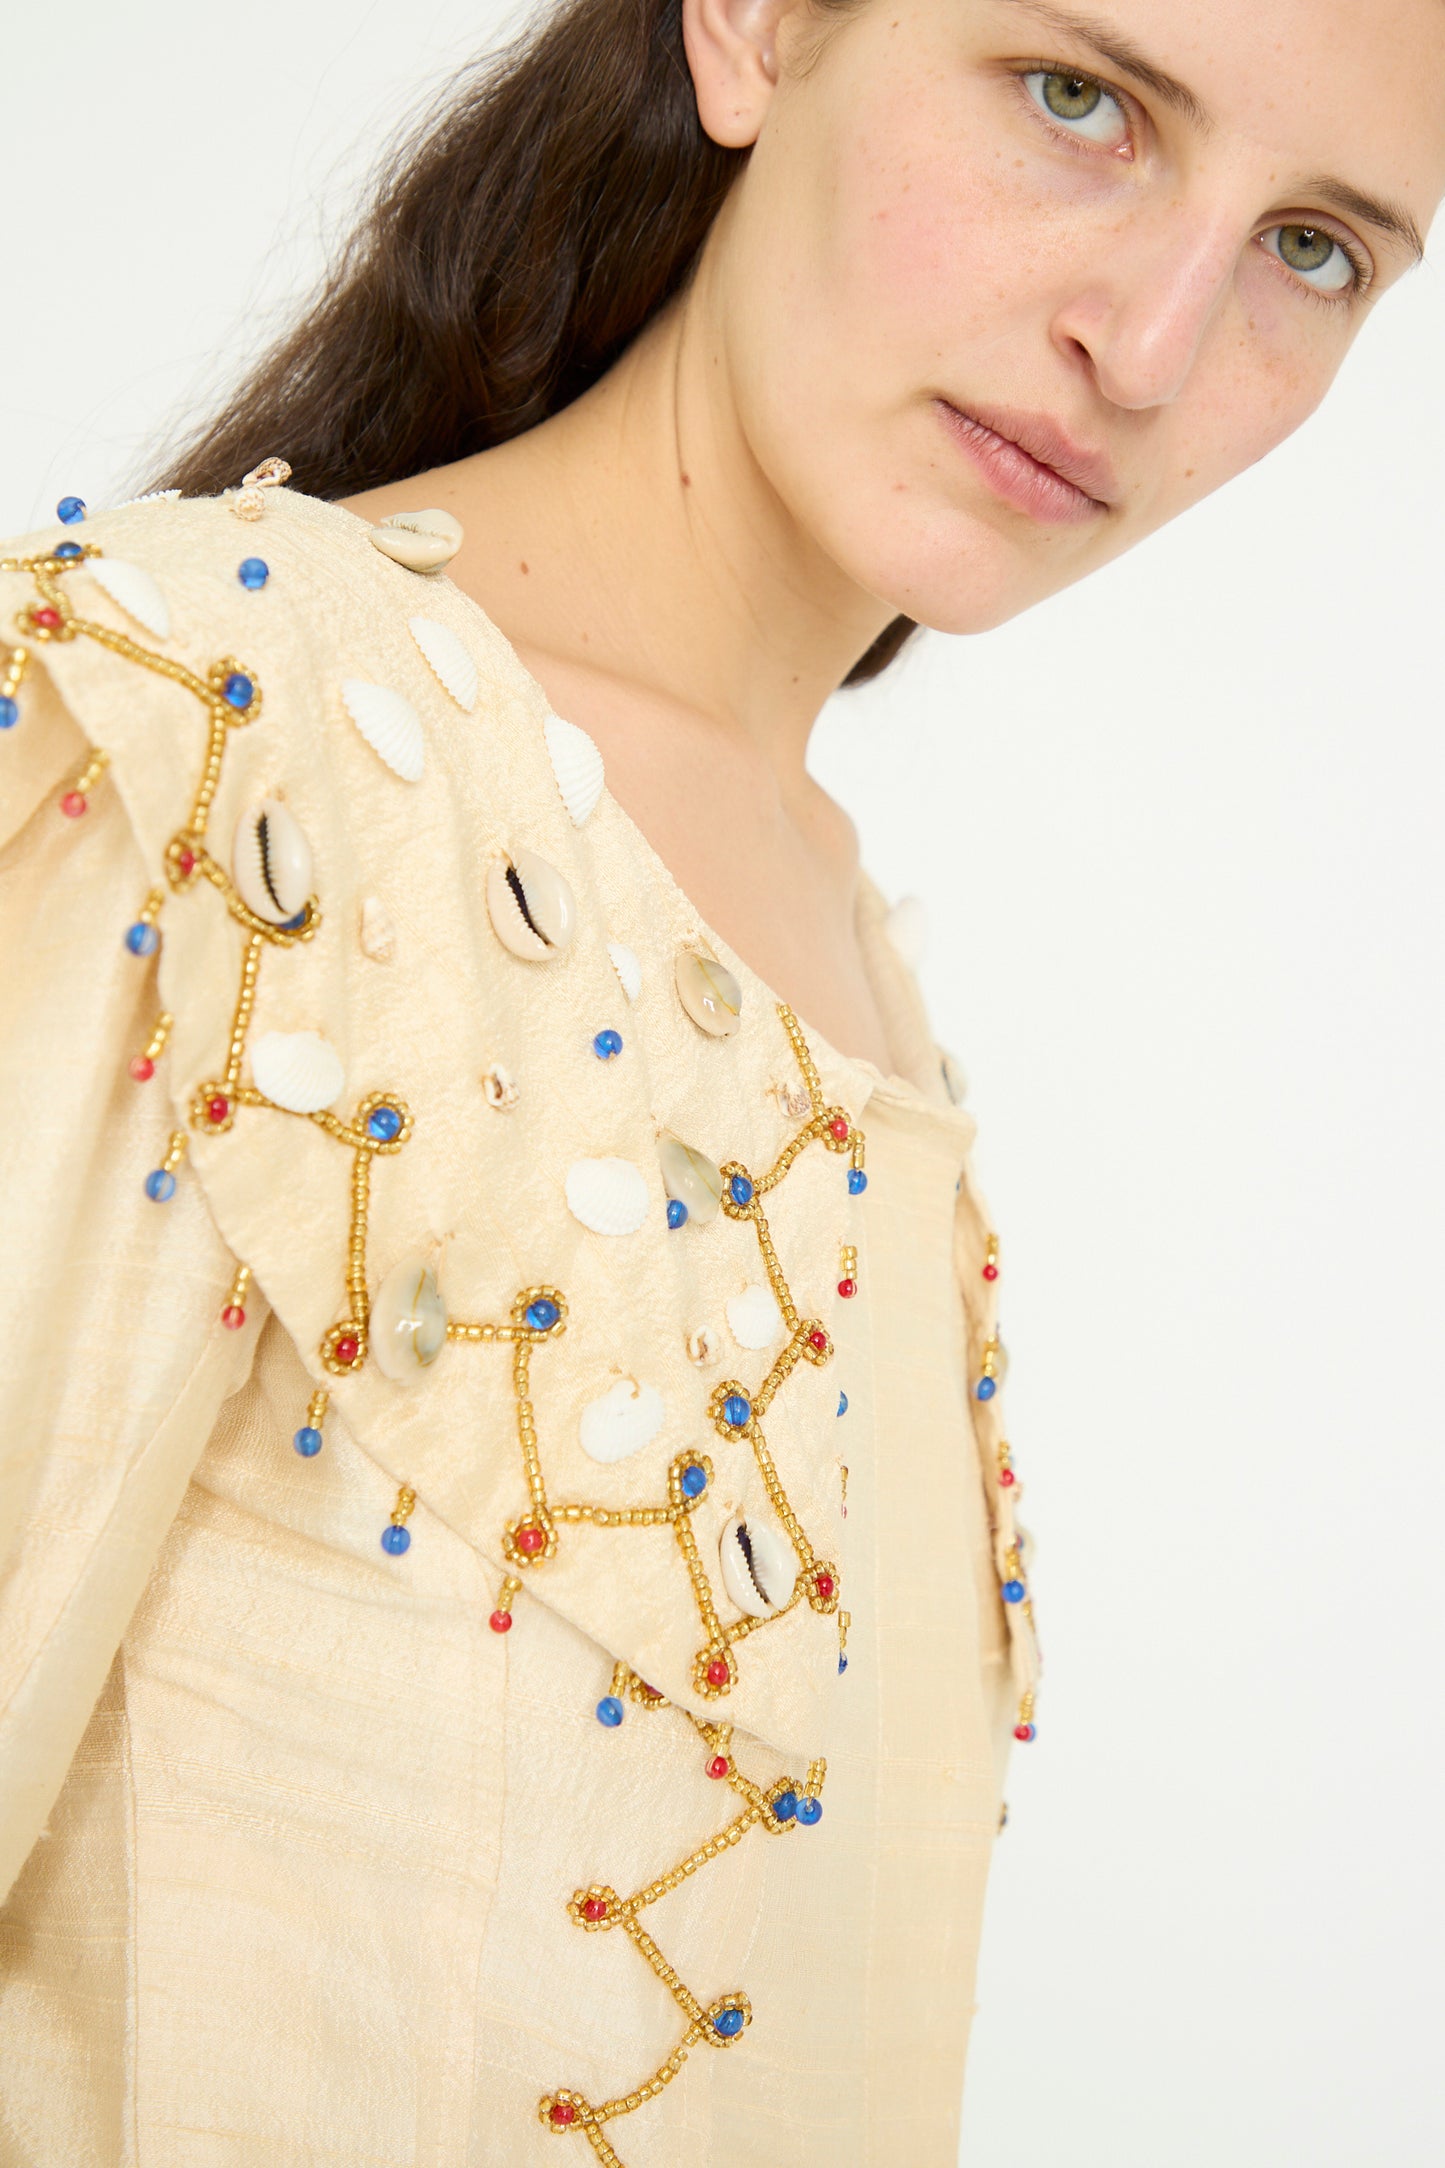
pixel 1152 293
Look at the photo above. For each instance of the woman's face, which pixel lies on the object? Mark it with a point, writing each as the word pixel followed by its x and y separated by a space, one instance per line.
pixel 1004 286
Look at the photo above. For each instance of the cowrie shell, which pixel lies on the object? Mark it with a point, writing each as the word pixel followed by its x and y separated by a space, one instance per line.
pixel 625 1419
pixel 709 993
pixel 408 1324
pixel 531 907
pixel 271 862
pixel 421 541
pixel 691 1177
pixel 757 1568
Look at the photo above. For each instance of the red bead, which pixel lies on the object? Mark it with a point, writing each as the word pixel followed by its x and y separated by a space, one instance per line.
pixel 530 1541
pixel 990 1272
pixel 562 2113
pixel 818 1339
pixel 839 1129
pixel 186 862
pixel 594 1909
pixel 847 1287
pixel 142 1068
pixel 1006 1477
pixel 347 1348
pixel 719 1766
pixel 233 1317
pixel 824 1585
pixel 500 1622
pixel 72 805
pixel 1024 1732
pixel 45 619
pixel 217 1109
pixel 717 1672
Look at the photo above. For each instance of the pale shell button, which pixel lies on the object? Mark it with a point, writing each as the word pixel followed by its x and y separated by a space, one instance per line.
pixel 754 1317
pixel 622 1422
pixel 709 993
pixel 422 541
pixel 608 1195
pixel 690 1178
pixel 271 862
pixel 757 1567
pixel 531 907
pixel 408 1324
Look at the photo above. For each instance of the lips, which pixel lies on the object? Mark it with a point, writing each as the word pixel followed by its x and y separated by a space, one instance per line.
pixel 1000 435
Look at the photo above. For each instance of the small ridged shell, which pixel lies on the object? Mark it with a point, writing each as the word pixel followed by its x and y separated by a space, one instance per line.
pixel 531 907
pixel 408 1324
pixel 691 1177
pixel 577 765
pixel 955 1083
pixel 703 1347
pixel 757 1568
pixel 297 1070
pixel 754 1316
pixel 608 1195
pixel 133 588
pixel 451 664
pixel 622 1422
pixel 378 935
pixel 389 724
pixel 907 928
pixel 627 967
pixel 149 496
pixel 709 993
pixel 271 862
pixel 421 541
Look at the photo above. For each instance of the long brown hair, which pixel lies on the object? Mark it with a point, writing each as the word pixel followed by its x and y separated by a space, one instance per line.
pixel 515 244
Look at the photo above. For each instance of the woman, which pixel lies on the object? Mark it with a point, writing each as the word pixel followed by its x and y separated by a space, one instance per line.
pixel 564 1170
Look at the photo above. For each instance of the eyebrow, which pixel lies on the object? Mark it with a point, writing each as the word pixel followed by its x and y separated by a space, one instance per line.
pixel 1116 47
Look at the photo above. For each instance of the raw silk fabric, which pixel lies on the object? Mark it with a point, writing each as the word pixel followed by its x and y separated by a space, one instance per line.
pixel 291 1831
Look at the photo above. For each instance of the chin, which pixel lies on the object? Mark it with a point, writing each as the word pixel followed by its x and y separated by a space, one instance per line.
pixel 973 590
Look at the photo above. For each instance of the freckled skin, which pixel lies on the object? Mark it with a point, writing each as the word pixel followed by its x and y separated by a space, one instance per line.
pixel 721 526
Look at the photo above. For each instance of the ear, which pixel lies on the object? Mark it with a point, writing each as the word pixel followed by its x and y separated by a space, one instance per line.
pixel 732 52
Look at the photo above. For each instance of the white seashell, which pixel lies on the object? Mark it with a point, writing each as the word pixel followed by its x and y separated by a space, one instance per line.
pixel 271 862
pixel 709 993
pixel 955 1083
pixel 298 1070
pixel 500 1087
pixel 757 1568
pixel 907 928
pixel 622 1422
pixel 378 935
pixel 754 1316
pixel 422 541
pixel 408 1324
pixel 451 664
pixel 691 1177
pixel 627 967
pixel 577 765
pixel 389 724
pixel 703 1347
pixel 608 1195
pixel 531 907
pixel 133 588
pixel 149 496
pixel 794 1100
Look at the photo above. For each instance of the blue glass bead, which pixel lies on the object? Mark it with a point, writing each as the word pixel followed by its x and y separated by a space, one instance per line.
pixel 609 1711
pixel 742 1189
pixel 289 925
pixel 238 690
pixel 160 1185
pixel 736 1410
pixel 728 2024
pixel 142 939
pixel 986 1388
pixel 253 572
pixel 396 1539
pixel 842 1403
pixel 9 712
pixel 307 1441
pixel 383 1123
pixel 70 511
pixel 676 1212
pixel 1012 1592
pixel 857 1181
pixel 810 1812
pixel 842 1665
pixel 67 552
pixel 606 1044
pixel 785 1806
pixel 542 1315
pixel 694 1481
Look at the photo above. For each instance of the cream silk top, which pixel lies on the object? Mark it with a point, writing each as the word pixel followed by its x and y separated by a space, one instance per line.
pixel 427 1795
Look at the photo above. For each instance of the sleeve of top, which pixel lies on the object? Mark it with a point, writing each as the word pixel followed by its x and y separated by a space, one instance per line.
pixel 113 1358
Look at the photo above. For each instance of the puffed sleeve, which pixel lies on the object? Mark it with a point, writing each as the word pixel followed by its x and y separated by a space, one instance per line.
pixel 113 1357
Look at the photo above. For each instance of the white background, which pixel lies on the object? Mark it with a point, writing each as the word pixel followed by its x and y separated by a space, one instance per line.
pixel 1177 833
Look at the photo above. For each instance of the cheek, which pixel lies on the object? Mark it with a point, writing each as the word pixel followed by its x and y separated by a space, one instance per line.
pixel 1264 379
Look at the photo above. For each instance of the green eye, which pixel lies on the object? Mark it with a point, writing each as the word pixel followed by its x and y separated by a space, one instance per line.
pixel 1305 248
pixel 1314 256
pixel 1070 97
